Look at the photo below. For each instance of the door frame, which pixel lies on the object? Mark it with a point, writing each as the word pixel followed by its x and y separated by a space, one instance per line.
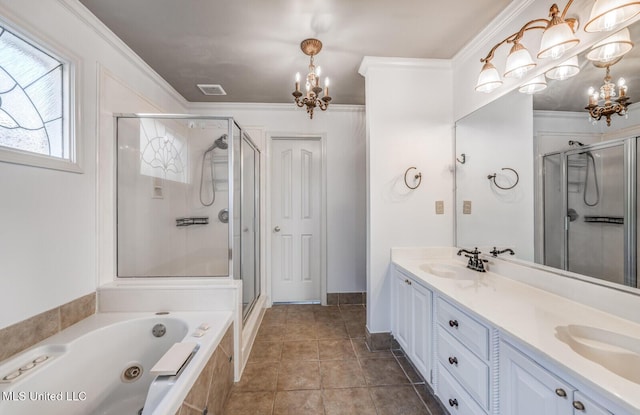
pixel 271 137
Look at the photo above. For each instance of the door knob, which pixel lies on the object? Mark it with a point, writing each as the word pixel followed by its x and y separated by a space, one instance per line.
pixel 276 229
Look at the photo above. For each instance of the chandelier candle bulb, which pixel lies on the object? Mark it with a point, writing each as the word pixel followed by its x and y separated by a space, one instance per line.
pixel 297 81
pixel 326 87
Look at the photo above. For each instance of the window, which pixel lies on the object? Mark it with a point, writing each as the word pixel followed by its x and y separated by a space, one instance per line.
pixel 34 105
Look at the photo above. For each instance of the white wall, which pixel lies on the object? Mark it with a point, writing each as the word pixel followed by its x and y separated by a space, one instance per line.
pixel 344 129
pixel 496 136
pixel 48 220
pixel 409 123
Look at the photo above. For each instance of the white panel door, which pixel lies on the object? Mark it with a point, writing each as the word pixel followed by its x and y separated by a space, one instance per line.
pixel 296 219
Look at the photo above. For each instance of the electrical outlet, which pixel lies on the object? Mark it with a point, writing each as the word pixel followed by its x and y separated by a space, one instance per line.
pixel 439 207
pixel 466 207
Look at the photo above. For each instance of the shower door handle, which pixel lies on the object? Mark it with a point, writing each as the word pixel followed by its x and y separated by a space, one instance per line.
pixel 276 229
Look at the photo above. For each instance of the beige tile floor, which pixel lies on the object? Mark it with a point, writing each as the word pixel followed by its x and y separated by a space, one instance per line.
pixel 309 359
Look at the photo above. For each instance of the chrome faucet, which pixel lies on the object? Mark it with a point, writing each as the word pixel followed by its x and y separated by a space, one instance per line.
pixel 495 252
pixel 475 263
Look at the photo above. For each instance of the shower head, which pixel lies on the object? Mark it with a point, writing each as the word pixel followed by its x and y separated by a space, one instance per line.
pixel 220 143
pixel 575 143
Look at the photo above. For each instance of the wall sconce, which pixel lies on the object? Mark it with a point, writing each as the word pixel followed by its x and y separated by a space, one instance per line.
pixel 606 15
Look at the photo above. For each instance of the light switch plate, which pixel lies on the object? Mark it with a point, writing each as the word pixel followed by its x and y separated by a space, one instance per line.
pixel 439 207
pixel 466 207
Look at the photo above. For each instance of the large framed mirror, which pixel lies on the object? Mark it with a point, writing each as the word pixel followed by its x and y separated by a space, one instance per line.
pixel 541 176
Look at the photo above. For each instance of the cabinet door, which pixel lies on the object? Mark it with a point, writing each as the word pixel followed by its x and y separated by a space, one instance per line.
pixel 402 300
pixel 421 336
pixel 528 389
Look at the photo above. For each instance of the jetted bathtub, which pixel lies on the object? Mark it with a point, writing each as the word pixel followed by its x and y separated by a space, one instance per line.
pixel 102 365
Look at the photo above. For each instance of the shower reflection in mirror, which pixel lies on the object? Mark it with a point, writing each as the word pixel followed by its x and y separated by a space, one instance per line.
pixel 589 212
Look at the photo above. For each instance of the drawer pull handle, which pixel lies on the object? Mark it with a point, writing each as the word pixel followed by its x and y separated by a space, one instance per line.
pixel 561 393
pixel 453 402
pixel 453 360
pixel 578 405
pixel 453 323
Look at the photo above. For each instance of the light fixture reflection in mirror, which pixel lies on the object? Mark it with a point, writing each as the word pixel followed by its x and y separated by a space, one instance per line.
pixel 612 47
pixel 606 15
pixel 565 70
pixel 557 115
pixel 537 84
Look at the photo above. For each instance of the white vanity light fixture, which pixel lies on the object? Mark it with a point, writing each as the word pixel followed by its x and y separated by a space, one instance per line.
pixel 606 15
pixel 558 37
pixel 611 48
pixel 565 70
pixel 537 84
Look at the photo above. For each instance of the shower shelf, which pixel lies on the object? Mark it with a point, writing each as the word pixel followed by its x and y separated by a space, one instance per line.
pixel 617 220
pixel 196 220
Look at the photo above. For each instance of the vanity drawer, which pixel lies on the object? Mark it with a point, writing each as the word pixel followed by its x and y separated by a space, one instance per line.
pixel 466 367
pixel 464 328
pixel 454 397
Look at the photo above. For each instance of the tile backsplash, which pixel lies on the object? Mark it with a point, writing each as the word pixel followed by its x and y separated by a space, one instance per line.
pixel 22 335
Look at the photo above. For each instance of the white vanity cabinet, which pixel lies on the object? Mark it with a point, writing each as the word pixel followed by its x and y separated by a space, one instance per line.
pixel 477 360
pixel 527 388
pixel 412 320
pixel 464 360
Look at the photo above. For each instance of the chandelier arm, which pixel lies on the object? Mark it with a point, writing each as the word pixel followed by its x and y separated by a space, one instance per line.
pixel 515 37
pixel 527 27
pixel 493 49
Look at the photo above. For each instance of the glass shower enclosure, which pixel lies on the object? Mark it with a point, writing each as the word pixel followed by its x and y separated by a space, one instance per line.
pixel 590 210
pixel 188 199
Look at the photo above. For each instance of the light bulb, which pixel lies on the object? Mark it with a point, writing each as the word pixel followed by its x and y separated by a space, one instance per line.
pixel 297 76
pixel 621 82
pixel 326 81
pixel 318 71
pixel 591 91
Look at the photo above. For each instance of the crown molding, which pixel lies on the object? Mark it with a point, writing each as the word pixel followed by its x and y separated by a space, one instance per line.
pixel 89 19
pixel 369 62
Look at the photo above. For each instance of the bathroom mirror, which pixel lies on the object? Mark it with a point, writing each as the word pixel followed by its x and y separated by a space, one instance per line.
pixel 540 177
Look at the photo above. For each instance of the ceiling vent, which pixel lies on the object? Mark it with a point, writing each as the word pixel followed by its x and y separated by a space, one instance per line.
pixel 211 89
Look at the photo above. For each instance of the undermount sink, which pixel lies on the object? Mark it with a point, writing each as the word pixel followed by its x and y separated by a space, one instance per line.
pixel 615 352
pixel 448 270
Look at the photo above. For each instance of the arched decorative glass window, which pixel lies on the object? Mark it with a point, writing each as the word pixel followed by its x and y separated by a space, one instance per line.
pixel 33 107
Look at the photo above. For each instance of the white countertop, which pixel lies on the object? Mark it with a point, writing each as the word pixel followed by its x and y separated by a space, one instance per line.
pixel 531 316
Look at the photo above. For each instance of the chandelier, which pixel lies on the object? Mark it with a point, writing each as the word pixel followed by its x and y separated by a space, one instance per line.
pixel 311 99
pixel 607 93
pixel 558 37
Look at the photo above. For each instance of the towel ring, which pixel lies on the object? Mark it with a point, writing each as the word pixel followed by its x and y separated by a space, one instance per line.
pixel 417 177
pixel 493 176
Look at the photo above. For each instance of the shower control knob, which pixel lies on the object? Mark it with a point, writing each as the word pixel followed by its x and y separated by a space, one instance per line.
pixel 276 229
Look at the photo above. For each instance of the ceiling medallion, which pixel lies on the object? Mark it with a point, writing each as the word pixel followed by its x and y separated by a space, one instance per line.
pixel 312 99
